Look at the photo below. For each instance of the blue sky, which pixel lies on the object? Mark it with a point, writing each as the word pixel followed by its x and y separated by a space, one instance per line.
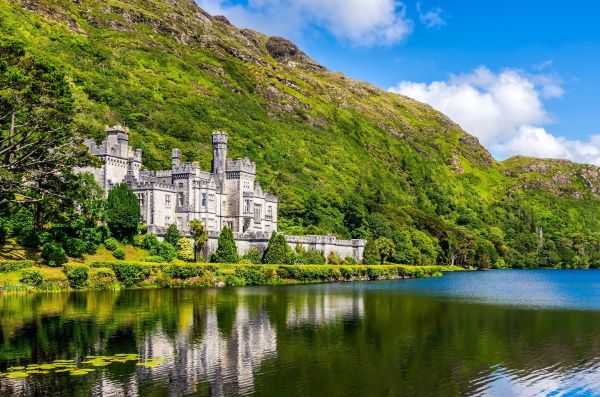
pixel 523 76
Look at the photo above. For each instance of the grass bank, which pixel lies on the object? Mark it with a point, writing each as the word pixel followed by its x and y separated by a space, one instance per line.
pixel 26 275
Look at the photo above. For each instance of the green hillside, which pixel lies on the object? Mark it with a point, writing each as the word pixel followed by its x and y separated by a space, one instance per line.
pixel 345 157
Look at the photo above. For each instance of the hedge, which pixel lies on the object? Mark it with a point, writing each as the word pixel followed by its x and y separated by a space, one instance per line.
pixel 11 266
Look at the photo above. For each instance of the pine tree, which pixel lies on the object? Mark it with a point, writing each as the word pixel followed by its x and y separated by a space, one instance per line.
pixel 226 250
pixel 371 254
pixel 122 213
pixel 278 251
pixel 172 236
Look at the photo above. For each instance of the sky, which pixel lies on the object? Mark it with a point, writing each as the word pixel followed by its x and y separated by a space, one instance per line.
pixel 522 76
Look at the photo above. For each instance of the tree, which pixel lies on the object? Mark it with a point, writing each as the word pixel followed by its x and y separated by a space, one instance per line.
pixel 226 250
pixel 277 251
pixel 371 254
pixel 185 251
pixel 386 248
pixel 172 236
pixel 122 213
pixel 40 143
pixel 198 232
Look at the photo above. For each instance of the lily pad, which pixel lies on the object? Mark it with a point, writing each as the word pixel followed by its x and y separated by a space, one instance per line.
pixel 16 369
pixel 47 366
pixel 17 374
pixel 78 372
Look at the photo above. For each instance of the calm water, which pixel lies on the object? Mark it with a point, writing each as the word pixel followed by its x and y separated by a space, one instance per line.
pixel 496 333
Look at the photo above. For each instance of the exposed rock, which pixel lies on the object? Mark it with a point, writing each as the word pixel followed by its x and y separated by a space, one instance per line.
pixel 285 51
pixel 222 18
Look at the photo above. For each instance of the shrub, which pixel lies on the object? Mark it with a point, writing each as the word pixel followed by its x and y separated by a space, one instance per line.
pixel 111 244
pixel 154 259
pixel 333 259
pixel 74 247
pixel 172 236
pixel 31 277
pixel 150 241
pixel 77 275
pixel 165 251
pixel 11 266
pixel 130 274
pixel 183 271
pixel 91 237
pixel 119 253
pixel 28 237
pixel 54 254
pixel 349 261
pixel 226 250
pixel 138 241
pixel 250 276
pixel 185 251
pixel 278 250
pixel 253 255
pixel 102 278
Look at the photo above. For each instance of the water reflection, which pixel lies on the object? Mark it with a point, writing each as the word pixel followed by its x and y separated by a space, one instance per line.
pixel 351 339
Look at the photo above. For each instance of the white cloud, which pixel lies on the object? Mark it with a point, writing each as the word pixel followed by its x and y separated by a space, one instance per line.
pixel 505 110
pixel 432 18
pixel 368 23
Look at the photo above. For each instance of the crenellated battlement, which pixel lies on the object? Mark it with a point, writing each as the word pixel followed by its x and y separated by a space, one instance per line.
pixel 241 165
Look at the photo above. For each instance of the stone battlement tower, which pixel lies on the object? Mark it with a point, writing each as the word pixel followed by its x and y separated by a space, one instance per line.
pixel 219 161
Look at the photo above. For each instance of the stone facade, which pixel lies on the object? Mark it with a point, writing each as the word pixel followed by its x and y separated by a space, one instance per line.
pixel 228 195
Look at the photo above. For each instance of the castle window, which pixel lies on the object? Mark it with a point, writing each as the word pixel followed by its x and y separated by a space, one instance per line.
pixel 180 199
pixel 167 221
pixel 269 213
pixel 141 199
pixel 181 185
pixel 211 201
pixel 257 213
pixel 179 222
pixel 204 199
pixel 248 206
pixel 168 201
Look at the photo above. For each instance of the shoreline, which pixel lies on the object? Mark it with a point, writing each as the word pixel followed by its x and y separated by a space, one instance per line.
pixel 25 277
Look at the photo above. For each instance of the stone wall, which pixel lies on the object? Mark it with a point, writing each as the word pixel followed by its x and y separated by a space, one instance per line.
pixel 327 244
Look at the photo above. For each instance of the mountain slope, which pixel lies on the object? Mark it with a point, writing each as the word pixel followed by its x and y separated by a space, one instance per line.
pixel 345 157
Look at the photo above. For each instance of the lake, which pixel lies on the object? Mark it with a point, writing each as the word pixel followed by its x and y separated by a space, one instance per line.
pixel 492 333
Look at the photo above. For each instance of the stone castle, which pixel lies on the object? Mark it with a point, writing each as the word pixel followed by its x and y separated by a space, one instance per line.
pixel 228 195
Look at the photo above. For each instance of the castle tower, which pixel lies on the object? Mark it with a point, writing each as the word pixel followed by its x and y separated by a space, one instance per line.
pixel 219 140
pixel 175 157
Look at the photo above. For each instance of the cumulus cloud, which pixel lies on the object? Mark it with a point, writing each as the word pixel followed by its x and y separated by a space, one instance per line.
pixel 432 18
pixel 505 110
pixel 367 23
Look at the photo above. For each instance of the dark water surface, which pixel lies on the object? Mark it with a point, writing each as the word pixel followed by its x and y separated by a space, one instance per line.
pixel 495 333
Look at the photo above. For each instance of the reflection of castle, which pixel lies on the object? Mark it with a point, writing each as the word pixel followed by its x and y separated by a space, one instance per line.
pixel 226 363
pixel 319 309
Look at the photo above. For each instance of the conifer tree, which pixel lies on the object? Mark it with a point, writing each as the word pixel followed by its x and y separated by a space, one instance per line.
pixel 122 213
pixel 172 236
pixel 277 250
pixel 371 254
pixel 226 250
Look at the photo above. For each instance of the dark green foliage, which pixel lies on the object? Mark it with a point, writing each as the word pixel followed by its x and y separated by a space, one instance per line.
pixel 349 261
pixel 150 241
pixel 253 255
pixel 386 248
pixel 77 275
pixel 119 253
pixel 31 277
pixel 130 274
pixel 278 250
pixel 54 254
pixel 310 257
pixel 226 250
pixel 3 233
pixel 28 237
pixel 165 251
pixel 74 247
pixel 11 266
pixel 111 244
pixel 371 254
pixel 198 233
pixel 172 236
pixel 122 212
